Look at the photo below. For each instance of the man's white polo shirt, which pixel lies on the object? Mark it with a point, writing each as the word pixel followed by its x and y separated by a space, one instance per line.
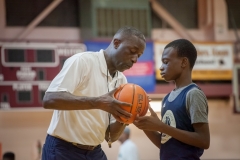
pixel 83 74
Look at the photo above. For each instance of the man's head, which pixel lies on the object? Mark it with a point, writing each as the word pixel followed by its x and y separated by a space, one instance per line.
pixel 125 135
pixel 9 156
pixel 127 46
pixel 178 56
pixel 127 31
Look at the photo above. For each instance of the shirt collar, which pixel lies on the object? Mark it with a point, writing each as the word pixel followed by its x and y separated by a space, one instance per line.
pixel 103 63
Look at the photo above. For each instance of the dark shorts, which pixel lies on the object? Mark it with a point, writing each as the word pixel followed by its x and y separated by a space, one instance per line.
pixel 57 149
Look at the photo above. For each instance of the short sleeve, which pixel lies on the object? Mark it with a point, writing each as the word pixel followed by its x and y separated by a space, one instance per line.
pixel 73 73
pixel 197 106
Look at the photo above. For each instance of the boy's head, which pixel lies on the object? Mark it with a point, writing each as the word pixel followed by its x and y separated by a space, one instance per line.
pixel 184 48
pixel 178 59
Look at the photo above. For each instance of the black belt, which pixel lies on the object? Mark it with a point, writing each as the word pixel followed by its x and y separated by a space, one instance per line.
pixel 86 147
pixel 81 146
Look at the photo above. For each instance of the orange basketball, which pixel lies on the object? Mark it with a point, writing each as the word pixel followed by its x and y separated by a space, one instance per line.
pixel 135 95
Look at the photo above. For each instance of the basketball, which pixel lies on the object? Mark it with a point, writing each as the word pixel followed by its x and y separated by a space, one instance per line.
pixel 135 95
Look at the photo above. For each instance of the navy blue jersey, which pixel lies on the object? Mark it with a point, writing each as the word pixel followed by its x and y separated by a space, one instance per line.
pixel 175 114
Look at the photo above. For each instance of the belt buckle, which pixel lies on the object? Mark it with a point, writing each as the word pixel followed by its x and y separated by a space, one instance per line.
pixel 86 147
pixel 90 147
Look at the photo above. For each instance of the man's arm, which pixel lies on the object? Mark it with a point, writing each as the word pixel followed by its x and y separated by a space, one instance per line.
pixel 116 130
pixel 67 101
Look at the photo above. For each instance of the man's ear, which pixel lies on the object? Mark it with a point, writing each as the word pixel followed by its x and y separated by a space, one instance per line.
pixel 185 62
pixel 116 43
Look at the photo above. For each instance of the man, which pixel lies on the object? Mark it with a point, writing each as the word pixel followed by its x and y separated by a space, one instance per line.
pixel 128 150
pixel 82 96
pixel 183 132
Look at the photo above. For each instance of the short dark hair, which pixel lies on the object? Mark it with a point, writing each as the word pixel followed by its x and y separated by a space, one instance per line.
pixel 9 155
pixel 128 31
pixel 184 49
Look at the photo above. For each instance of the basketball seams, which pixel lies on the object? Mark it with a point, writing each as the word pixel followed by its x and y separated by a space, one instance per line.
pixel 120 94
pixel 120 91
pixel 133 97
pixel 128 91
pixel 146 104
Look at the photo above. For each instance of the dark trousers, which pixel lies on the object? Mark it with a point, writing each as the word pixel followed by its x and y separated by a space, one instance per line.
pixel 57 149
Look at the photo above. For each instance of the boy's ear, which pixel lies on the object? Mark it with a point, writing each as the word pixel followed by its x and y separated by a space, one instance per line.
pixel 185 62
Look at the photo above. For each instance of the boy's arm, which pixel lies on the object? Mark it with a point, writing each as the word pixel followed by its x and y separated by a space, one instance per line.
pixel 149 125
pixel 155 137
pixel 200 138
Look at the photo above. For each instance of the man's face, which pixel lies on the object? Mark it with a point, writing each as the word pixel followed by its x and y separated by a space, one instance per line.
pixel 127 53
pixel 171 65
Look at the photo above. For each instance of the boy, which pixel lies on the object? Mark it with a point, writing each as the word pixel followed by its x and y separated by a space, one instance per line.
pixel 183 132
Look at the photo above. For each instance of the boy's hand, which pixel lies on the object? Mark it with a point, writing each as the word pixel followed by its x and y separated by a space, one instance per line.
pixel 150 123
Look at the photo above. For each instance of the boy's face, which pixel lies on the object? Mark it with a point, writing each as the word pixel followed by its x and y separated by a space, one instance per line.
pixel 171 68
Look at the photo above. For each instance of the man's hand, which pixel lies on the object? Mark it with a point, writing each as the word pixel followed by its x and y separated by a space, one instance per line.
pixel 111 105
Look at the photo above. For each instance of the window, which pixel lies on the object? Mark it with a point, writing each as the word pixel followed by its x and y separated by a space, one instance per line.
pixel 29 56
pixel 233 13
pixel 24 96
pixel 63 61
pixel 185 11
pixel 40 75
pixel 137 17
pixel 4 97
pixel 41 93
pixel 102 19
pixel 15 55
pixel 44 56
pixel 22 12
